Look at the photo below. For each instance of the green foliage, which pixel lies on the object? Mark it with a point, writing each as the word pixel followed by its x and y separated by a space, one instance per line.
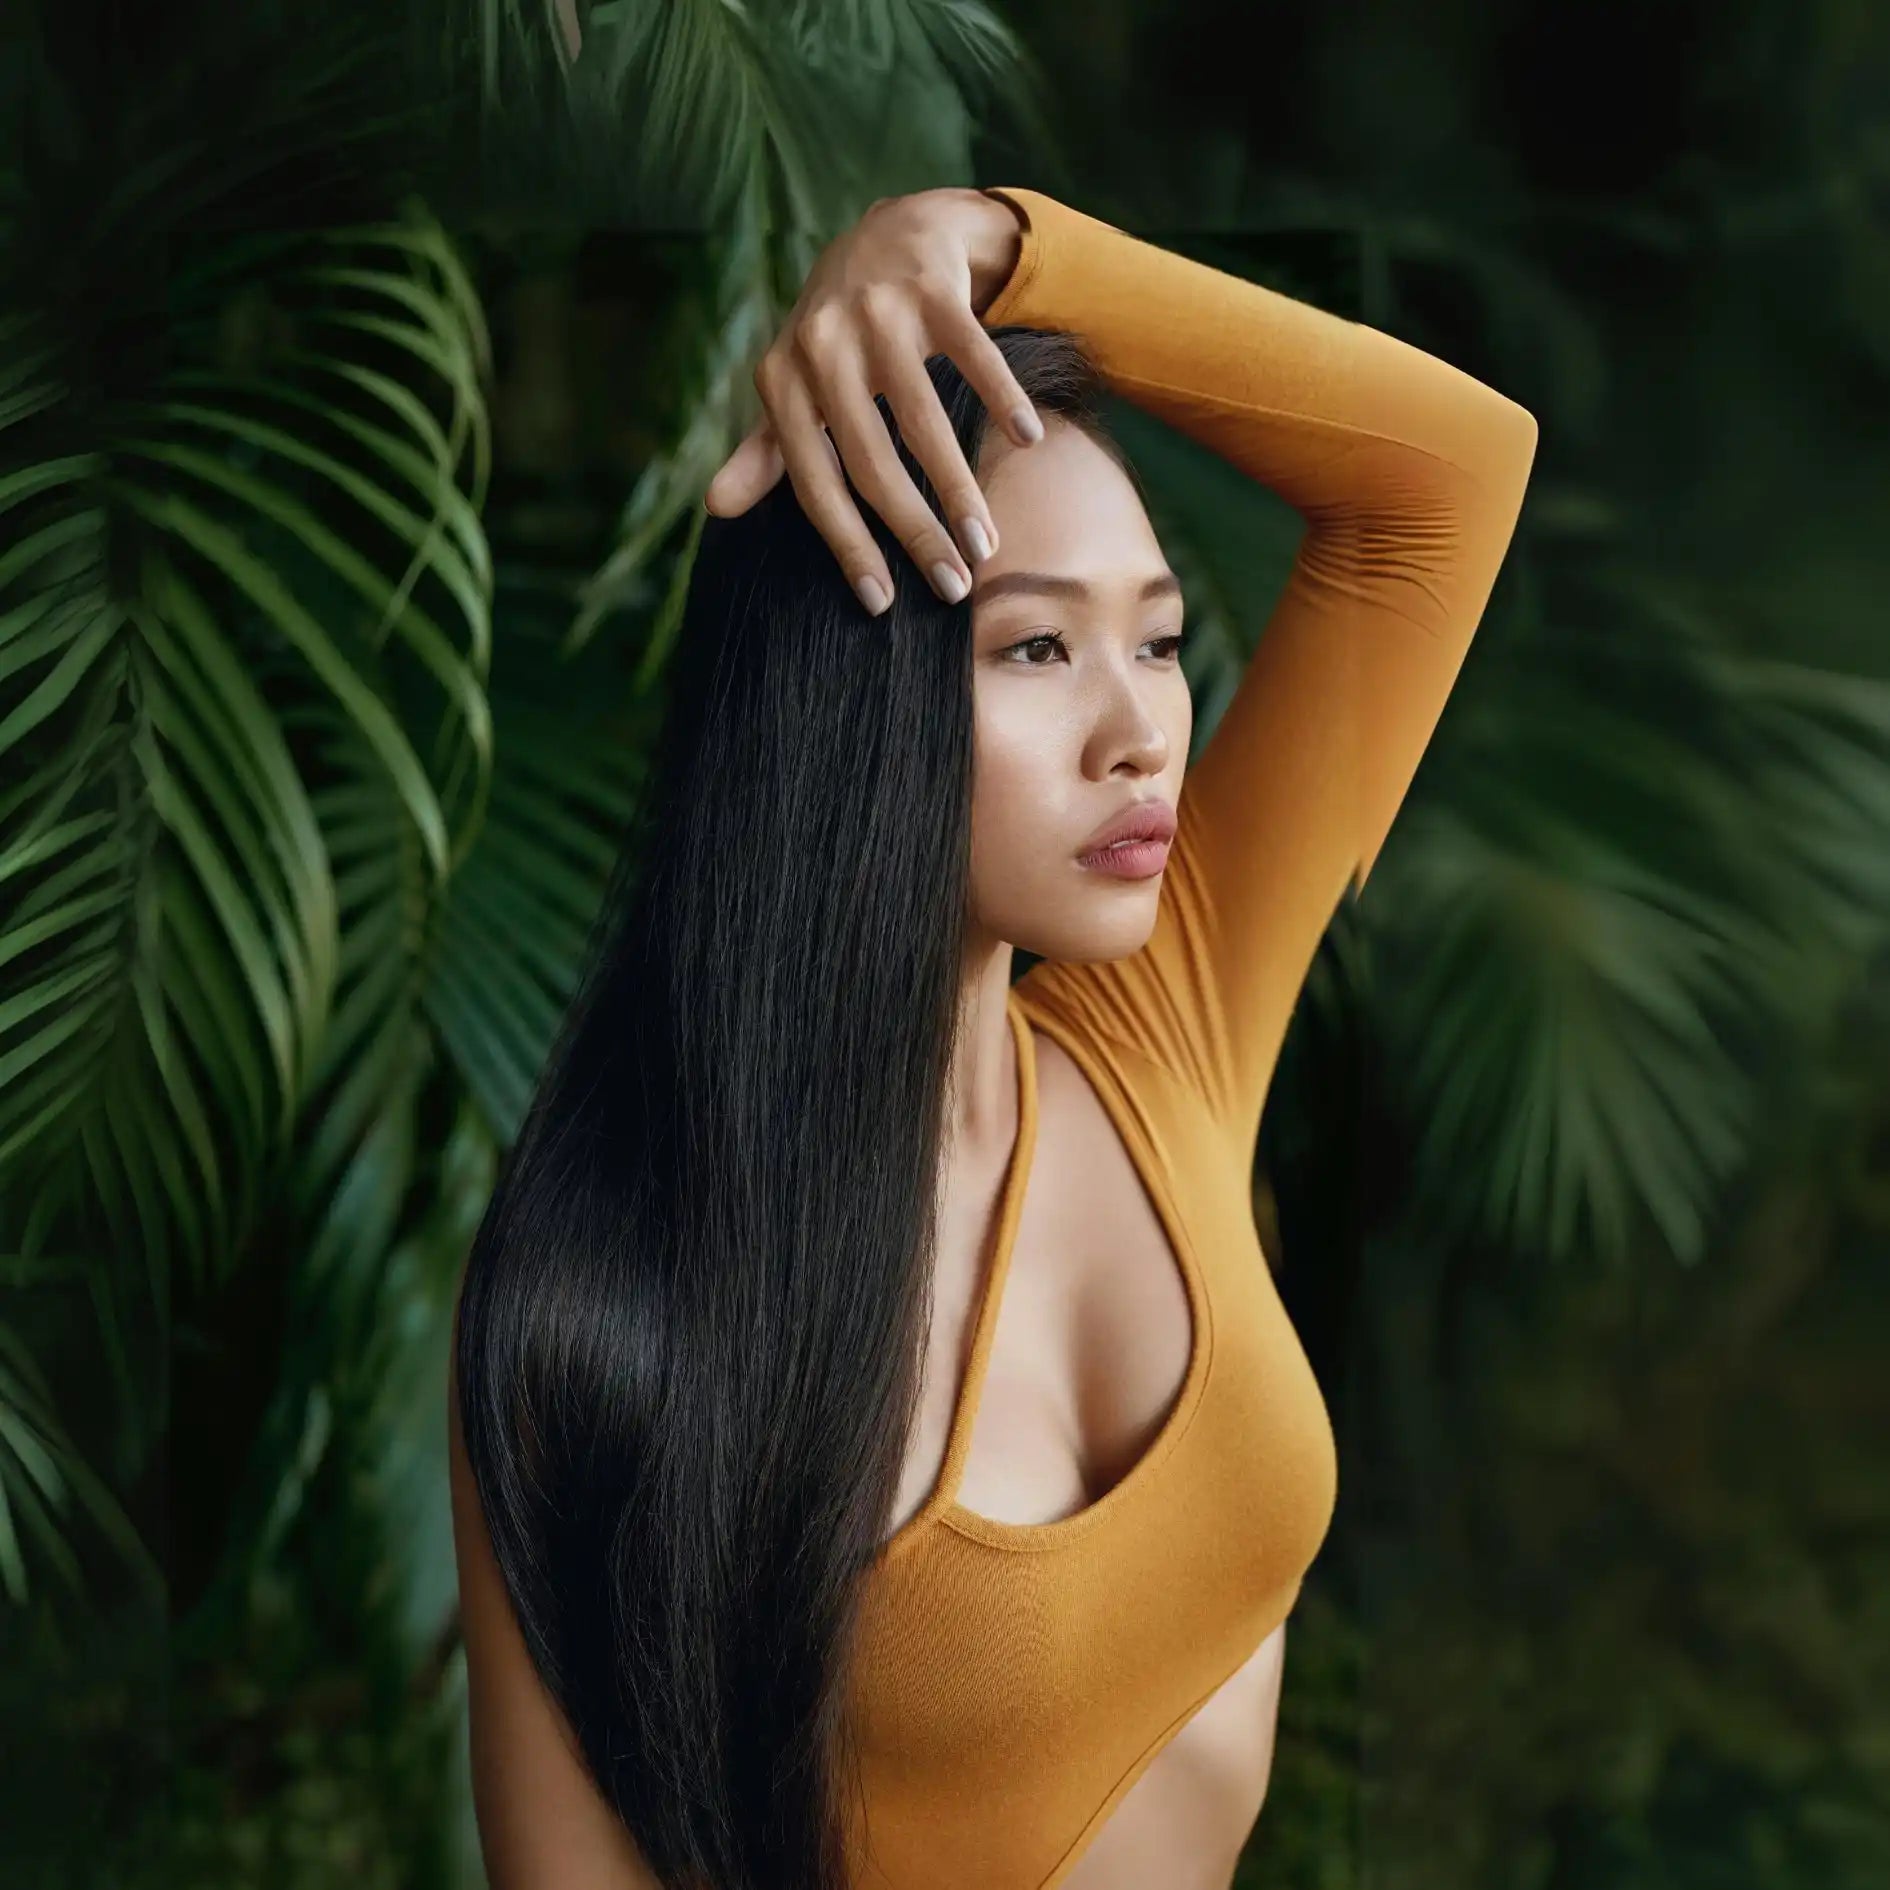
pixel 244 465
pixel 323 706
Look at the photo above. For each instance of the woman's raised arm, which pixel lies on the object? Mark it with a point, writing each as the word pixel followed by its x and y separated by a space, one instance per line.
pixel 1410 476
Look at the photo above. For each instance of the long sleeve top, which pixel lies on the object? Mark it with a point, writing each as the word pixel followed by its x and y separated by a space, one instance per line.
pixel 1014 1680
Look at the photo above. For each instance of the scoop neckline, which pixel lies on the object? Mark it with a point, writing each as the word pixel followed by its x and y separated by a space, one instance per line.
pixel 941 1508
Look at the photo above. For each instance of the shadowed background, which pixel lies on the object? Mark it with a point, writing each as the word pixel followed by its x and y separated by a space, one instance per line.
pixel 360 371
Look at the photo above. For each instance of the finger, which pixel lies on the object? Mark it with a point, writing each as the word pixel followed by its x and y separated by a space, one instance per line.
pixel 748 472
pixel 927 431
pixel 820 484
pixel 957 331
pixel 845 398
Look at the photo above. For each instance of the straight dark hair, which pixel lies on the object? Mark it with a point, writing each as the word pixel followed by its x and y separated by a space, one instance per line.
pixel 691 1331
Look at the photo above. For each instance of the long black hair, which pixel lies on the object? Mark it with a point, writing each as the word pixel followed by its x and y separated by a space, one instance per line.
pixel 691 1330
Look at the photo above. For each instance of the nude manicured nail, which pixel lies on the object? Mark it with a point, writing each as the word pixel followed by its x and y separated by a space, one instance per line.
pixel 951 586
pixel 972 531
pixel 1025 423
pixel 872 594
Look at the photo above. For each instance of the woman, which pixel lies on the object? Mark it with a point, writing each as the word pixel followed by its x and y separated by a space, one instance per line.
pixel 880 1456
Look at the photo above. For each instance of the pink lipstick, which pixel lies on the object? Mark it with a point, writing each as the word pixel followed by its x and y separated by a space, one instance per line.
pixel 1133 844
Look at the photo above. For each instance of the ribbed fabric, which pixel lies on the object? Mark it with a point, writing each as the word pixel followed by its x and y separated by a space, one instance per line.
pixel 1014 1679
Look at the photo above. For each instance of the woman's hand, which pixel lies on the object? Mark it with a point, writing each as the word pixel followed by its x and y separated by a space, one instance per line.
pixel 906 281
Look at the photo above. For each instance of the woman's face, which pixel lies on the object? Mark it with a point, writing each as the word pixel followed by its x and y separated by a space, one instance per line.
pixel 1080 703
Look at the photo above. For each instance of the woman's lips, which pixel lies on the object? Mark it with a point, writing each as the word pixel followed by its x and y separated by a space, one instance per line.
pixel 1134 845
pixel 1127 859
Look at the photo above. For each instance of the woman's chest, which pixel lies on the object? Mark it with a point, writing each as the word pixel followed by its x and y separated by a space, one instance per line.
pixel 1116 1294
pixel 1094 1330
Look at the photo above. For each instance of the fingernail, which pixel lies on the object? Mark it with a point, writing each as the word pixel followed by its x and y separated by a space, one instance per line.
pixel 1025 422
pixel 971 530
pixel 950 585
pixel 872 593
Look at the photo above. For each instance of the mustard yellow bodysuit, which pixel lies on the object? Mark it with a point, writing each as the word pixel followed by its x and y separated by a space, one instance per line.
pixel 1014 1680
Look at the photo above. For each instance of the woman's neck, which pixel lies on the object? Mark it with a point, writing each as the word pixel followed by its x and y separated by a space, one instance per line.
pixel 981 1095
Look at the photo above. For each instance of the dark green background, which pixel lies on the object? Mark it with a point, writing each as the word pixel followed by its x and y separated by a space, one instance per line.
pixel 1577 1169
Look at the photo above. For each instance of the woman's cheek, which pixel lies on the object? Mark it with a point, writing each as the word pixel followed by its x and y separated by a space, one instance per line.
pixel 1018 827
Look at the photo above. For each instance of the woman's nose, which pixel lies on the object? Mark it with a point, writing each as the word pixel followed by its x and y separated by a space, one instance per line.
pixel 1128 731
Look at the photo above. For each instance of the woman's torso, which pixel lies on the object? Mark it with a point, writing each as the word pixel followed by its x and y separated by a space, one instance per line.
pixel 1089 1353
pixel 1133 1503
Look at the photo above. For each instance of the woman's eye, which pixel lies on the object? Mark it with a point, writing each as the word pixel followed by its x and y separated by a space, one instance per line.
pixel 1169 647
pixel 1043 638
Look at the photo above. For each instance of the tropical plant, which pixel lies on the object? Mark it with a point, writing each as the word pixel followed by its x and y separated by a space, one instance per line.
pixel 316 737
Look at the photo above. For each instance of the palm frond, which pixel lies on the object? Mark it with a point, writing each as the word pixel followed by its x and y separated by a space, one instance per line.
pixel 172 942
pixel 46 1485
pixel 832 102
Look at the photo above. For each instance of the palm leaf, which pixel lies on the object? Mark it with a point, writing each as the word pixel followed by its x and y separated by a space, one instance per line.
pixel 279 515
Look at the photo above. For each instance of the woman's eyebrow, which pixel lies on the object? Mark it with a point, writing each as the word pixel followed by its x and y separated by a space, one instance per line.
pixel 1164 584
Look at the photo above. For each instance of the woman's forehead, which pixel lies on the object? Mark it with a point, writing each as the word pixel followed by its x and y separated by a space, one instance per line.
pixel 1068 503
